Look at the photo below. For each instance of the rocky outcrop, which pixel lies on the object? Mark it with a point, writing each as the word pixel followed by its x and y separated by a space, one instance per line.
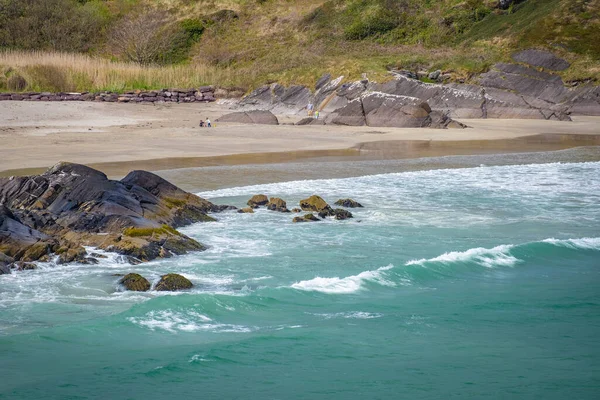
pixel 306 218
pixel 277 204
pixel 203 94
pixel 260 117
pixel 348 203
pixel 71 205
pixel 135 282
pixel 258 200
pixel 506 91
pixel 173 282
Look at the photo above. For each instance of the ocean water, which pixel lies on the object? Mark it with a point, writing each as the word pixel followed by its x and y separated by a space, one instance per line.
pixel 466 283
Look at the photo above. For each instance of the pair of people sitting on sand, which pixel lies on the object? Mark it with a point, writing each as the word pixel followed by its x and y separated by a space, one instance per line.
pixel 205 123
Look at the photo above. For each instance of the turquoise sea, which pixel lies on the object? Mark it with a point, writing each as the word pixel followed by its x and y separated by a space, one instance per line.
pixel 472 283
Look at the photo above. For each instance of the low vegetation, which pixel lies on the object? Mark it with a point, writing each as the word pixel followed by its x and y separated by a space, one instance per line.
pixel 78 45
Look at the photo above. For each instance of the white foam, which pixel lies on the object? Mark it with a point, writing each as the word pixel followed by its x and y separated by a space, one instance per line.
pixel 351 315
pixel 498 256
pixel 188 321
pixel 582 243
pixel 346 285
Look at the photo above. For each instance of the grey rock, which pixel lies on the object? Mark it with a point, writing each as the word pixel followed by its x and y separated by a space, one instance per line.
pixel 262 117
pixel 541 58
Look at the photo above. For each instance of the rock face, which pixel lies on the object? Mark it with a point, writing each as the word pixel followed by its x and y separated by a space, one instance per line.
pixel 348 203
pixel 135 282
pixel 71 205
pixel 173 282
pixel 261 117
pixel 258 200
pixel 5 262
pixel 277 204
pixel 540 58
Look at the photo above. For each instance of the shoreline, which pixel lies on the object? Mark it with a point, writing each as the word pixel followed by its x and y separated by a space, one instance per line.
pixel 119 138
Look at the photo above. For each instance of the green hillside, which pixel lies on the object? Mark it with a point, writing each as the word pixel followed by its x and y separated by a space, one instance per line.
pixel 244 43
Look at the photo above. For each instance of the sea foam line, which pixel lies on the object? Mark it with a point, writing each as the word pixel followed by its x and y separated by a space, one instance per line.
pixel 587 243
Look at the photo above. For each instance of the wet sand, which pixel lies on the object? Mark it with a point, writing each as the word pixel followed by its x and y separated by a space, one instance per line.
pixel 117 138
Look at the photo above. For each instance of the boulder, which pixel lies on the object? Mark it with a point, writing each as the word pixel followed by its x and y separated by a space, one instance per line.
pixel 314 203
pixel 296 210
pixel 277 204
pixel 306 218
pixel 341 214
pixel 262 117
pixel 173 282
pixel 541 58
pixel 246 210
pixel 348 203
pixel 135 282
pixel 258 200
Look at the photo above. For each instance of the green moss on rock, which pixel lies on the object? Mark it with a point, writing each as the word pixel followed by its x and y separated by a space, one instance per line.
pixel 173 282
pixel 135 282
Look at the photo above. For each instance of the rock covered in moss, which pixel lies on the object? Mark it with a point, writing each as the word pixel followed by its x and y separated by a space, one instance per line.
pixel 348 203
pixel 173 282
pixel 258 200
pixel 306 218
pixel 135 282
pixel 314 203
pixel 277 204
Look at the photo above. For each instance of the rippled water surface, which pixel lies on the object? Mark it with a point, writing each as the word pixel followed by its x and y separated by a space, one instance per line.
pixel 468 283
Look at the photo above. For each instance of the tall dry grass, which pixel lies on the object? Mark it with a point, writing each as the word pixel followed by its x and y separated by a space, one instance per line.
pixel 56 71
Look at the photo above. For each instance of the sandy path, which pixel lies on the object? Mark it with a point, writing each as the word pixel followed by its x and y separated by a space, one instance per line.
pixel 39 134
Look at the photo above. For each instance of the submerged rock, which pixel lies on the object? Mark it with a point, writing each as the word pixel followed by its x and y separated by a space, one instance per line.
pixel 306 218
pixel 173 282
pixel 135 282
pixel 348 203
pixel 258 200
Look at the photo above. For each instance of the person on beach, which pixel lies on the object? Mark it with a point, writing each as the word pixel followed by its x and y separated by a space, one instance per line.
pixel 317 114
pixel 201 124
pixel 208 123
pixel 309 109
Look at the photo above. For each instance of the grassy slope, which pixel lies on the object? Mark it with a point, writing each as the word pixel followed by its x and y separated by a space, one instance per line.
pixel 296 41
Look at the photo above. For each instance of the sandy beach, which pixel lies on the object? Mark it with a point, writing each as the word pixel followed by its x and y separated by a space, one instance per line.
pixel 117 138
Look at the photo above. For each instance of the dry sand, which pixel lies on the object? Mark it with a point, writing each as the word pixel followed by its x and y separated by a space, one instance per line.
pixel 119 137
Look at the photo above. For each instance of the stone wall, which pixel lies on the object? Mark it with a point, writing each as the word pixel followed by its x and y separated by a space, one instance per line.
pixel 202 94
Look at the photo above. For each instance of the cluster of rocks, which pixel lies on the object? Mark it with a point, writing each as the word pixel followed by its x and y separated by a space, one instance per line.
pixel 169 282
pixel 203 94
pixel 526 89
pixel 54 215
pixel 314 203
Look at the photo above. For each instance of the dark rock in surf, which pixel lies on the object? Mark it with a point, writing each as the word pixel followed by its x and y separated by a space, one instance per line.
pixel 135 282
pixel 348 203
pixel 173 282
